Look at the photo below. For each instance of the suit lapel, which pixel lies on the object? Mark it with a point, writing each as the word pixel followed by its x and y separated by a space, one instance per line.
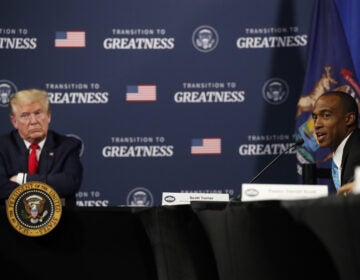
pixel 47 155
pixel 346 152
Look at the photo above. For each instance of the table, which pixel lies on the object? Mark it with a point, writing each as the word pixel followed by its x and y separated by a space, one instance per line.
pixel 306 239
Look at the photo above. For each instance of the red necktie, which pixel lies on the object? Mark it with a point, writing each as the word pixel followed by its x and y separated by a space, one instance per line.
pixel 33 162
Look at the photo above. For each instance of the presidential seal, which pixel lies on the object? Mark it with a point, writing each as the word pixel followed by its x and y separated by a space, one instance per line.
pixel 34 209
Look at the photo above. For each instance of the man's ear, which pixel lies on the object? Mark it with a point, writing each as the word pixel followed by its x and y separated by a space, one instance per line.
pixel 350 119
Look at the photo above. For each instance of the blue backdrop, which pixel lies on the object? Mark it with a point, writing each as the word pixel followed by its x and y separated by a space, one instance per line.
pixel 142 82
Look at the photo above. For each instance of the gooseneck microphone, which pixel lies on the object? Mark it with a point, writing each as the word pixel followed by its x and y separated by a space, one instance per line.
pixel 297 143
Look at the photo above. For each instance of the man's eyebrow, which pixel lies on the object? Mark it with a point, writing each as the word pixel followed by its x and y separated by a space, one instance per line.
pixel 321 112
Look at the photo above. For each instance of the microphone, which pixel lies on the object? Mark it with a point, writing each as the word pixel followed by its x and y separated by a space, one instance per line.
pixel 299 142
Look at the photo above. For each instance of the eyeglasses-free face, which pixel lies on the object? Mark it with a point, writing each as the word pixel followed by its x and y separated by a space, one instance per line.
pixel 31 120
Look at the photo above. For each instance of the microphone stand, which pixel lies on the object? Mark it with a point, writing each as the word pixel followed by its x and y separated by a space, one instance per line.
pixel 299 142
pixel 275 159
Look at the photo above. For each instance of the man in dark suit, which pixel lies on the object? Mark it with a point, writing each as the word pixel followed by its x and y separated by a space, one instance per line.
pixel 58 156
pixel 335 117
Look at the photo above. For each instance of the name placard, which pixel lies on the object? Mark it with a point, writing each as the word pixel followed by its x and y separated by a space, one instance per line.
pixel 173 198
pixel 256 192
pixel 356 189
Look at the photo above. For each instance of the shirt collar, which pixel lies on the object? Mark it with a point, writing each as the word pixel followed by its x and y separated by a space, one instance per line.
pixel 41 144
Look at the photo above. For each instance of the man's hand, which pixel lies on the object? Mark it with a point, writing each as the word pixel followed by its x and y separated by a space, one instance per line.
pixel 13 178
pixel 346 189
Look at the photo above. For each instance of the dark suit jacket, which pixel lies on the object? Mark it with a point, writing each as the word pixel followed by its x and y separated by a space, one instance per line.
pixel 59 164
pixel 351 157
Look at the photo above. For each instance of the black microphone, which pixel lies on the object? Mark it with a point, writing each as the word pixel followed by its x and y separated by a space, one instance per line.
pixel 297 143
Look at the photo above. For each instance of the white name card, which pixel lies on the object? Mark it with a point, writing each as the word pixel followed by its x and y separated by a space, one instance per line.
pixel 256 192
pixel 356 189
pixel 172 198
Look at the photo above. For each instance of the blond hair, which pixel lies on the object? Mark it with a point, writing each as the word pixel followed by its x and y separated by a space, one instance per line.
pixel 28 96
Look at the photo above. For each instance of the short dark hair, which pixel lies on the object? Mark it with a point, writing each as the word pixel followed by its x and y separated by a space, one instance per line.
pixel 348 102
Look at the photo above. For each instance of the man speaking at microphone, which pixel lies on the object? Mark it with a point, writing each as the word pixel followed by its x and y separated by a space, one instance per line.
pixel 32 152
pixel 335 118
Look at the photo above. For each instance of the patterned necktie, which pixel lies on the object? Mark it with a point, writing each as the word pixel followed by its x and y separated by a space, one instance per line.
pixel 33 162
pixel 335 175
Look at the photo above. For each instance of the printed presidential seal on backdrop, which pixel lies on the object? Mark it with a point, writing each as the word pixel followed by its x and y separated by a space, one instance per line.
pixel 205 38
pixel 34 209
pixel 7 88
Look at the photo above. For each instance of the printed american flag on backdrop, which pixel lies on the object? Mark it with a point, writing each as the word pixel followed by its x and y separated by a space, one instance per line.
pixel 70 39
pixel 203 146
pixel 141 93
